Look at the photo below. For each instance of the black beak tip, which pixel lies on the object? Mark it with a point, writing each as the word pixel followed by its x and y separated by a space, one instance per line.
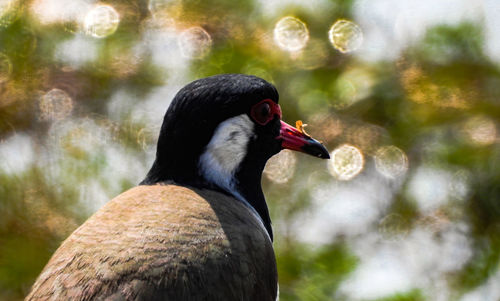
pixel 316 149
pixel 325 156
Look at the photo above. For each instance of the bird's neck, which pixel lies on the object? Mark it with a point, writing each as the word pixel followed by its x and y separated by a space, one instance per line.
pixel 252 193
pixel 228 160
pixel 242 181
pixel 243 184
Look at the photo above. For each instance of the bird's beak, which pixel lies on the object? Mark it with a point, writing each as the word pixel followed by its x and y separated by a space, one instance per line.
pixel 292 138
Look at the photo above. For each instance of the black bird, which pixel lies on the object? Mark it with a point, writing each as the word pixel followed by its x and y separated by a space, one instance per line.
pixel 197 227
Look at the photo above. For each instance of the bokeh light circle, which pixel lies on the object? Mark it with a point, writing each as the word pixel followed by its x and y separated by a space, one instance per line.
pixel 5 68
pixel 480 130
pixel 291 34
pixel 101 21
pixel 195 42
pixel 391 161
pixel 345 36
pixel 55 105
pixel 281 167
pixel 346 162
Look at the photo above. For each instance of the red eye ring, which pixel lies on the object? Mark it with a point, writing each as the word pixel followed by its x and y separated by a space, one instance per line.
pixel 264 111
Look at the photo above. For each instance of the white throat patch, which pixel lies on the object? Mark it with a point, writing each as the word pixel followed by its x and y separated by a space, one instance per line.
pixel 225 152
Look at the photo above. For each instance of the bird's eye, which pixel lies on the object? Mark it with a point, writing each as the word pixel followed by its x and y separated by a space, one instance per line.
pixel 261 112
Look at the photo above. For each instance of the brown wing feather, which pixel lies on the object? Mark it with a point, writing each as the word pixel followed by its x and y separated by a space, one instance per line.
pixel 163 243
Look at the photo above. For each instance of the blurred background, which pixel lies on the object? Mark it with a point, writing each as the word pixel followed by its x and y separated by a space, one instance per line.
pixel 405 94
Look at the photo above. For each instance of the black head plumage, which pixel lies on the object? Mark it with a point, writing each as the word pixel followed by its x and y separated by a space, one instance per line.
pixel 194 113
pixel 190 122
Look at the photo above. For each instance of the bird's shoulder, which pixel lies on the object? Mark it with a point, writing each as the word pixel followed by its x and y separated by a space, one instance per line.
pixel 163 241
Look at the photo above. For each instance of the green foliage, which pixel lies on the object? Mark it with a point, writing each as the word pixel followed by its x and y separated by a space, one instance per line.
pixel 413 295
pixel 312 274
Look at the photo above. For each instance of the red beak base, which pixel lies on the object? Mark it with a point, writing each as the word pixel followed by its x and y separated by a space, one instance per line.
pixel 296 140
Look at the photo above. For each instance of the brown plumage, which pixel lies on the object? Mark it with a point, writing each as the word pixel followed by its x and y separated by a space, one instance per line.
pixel 164 242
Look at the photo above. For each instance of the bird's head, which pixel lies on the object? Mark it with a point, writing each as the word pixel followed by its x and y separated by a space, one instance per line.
pixel 219 132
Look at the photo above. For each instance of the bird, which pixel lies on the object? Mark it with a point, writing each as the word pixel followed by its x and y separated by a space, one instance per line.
pixel 198 226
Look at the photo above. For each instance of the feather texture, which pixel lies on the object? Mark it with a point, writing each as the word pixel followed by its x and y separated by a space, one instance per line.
pixel 164 242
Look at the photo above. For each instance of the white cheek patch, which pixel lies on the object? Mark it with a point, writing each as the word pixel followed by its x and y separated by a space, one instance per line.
pixel 225 152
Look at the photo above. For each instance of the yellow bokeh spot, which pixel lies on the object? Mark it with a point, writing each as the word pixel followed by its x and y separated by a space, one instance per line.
pixel 101 21
pixel 291 34
pixel 346 162
pixel 345 36
pixel 391 161
pixel 55 105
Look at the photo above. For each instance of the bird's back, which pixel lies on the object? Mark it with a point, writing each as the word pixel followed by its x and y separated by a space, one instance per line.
pixel 164 242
